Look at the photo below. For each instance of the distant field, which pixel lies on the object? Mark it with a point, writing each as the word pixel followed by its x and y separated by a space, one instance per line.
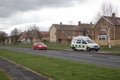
pixel 60 69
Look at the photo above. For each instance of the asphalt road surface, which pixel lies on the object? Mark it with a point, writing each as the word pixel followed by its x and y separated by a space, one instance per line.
pixel 83 56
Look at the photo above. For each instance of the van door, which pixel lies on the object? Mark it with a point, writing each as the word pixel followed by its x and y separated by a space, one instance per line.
pixel 84 45
pixel 78 45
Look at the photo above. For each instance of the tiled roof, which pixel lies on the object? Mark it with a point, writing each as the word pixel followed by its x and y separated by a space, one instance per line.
pixel 1 32
pixel 71 27
pixel 115 21
pixel 44 32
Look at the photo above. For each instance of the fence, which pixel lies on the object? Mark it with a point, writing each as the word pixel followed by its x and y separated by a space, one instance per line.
pixel 105 42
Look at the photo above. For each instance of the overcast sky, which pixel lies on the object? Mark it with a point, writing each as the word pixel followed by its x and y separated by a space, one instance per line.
pixel 23 13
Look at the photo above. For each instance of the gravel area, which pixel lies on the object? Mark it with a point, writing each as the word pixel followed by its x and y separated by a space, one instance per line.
pixel 17 72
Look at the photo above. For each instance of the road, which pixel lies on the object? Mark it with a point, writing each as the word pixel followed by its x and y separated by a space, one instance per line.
pixel 83 56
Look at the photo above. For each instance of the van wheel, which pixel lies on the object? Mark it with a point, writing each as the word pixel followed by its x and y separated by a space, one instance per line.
pixel 96 49
pixel 88 49
pixel 75 49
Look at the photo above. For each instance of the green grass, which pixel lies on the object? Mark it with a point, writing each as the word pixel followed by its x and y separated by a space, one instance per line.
pixel 3 75
pixel 113 50
pixel 50 45
pixel 29 45
pixel 58 46
pixel 105 48
pixel 60 69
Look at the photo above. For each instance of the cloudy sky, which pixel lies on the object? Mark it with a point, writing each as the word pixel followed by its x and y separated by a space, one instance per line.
pixel 23 13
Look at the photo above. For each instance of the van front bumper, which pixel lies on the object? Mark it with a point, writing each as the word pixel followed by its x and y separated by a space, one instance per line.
pixel 96 49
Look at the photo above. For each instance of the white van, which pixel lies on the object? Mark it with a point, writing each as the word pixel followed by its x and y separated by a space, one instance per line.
pixel 84 43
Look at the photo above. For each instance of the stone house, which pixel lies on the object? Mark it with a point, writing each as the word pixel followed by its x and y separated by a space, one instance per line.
pixel 62 33
pixel 30 36
pixel 45 35
pixel 111 23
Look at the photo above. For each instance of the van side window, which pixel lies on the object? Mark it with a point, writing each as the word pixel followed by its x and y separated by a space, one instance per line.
pixel 78 41
pixel 74 41
pixel 83 42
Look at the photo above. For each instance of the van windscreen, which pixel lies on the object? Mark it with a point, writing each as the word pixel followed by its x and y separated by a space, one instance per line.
pixel 89 41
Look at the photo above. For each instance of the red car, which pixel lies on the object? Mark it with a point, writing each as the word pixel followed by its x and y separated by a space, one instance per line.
pixel 40 46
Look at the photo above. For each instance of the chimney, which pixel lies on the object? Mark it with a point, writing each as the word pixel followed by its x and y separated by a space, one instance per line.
pixel 79 23
pixel 113 18
pixel 90 22
pixel 60 23
pixel 113 15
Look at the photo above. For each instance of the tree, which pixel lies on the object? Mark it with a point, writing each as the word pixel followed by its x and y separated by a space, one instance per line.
pixel 85 31
pixel 2 37
pixel 106 10
pixel 67 35
pixel 34 32
pixel 14 35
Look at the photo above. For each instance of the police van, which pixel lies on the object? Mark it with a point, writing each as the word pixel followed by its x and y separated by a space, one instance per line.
pixel 84 43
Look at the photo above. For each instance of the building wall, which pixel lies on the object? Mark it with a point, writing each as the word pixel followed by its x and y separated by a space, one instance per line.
pixel 91 33
pixel 45 36
pixel 98 29
pixel 60 34
pixel 117 32
pixel 65 36
pixel 52 35
pixel 105 42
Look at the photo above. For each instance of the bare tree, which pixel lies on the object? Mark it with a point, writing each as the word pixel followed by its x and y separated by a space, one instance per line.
pixel 14 35
pixel 106 10
pixel 34 32
pixel 2 37
pixel 67 35
pixel 85 31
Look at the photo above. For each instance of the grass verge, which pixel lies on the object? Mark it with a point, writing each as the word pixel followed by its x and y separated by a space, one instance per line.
pixel 3 75
pixel 105 48
pixel 49 45
pixel 61 46
pixel 58 46
pixel 60 69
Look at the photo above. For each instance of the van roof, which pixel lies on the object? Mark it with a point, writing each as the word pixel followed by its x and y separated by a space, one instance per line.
pixel 81 37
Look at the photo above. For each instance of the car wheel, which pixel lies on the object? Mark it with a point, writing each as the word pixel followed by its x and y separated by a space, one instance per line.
pixel 39 49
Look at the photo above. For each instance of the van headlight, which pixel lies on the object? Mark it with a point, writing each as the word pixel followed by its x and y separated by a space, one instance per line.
pixel 96 46
pixel 90 46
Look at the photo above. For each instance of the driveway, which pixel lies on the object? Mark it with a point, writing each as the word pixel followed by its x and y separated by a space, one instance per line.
pixel 82 56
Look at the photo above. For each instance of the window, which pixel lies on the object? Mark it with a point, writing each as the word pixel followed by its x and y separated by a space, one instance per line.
pixel 78 41
pixel 52 37
pixel 102 37
pixel 83 42
pixel 103 28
